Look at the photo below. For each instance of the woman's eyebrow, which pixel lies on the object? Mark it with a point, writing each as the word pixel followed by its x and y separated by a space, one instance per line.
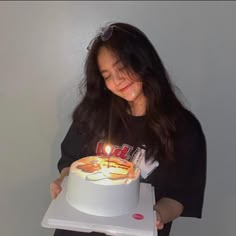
pixel 114 64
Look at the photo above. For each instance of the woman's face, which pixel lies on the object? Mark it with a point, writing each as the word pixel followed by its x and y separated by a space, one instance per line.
pixel 117 79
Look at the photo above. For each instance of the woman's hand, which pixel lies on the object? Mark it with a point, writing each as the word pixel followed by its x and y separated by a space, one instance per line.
pixel 159 222
pixel 55 188
pixel 167 210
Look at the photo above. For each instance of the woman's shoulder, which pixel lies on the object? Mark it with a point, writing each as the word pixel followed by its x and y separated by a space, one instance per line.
pixel 189 128
pixel 188 122
pixel 190 141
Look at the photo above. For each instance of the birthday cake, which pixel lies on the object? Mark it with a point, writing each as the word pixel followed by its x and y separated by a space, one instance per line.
pixel 103 186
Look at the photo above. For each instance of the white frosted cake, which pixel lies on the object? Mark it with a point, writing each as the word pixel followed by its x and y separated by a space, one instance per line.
pixel 103 186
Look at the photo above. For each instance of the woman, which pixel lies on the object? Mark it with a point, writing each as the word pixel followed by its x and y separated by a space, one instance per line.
pixel 129 101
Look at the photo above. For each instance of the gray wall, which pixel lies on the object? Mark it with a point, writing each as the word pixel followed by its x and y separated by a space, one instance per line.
pixel 42 47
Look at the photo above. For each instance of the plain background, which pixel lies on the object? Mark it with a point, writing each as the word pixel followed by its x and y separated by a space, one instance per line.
pixel 42 50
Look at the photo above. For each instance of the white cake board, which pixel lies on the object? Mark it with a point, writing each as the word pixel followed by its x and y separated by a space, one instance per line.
pixel 60 215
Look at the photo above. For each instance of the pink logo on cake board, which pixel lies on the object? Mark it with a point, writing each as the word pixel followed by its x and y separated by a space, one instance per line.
pixel 138 216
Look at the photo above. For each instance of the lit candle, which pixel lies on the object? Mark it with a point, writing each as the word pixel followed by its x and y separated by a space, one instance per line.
pixel 108 150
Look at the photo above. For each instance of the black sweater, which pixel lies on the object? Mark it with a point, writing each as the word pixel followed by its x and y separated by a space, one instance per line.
pixel 183 180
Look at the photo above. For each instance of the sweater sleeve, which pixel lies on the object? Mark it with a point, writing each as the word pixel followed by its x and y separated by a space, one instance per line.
pixel 72 147
pixel 187 177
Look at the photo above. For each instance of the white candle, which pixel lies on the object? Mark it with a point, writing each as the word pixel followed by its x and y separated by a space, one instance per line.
pixel 108 150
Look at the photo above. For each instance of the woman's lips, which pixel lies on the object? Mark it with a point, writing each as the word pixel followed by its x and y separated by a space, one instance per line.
pixel 126 87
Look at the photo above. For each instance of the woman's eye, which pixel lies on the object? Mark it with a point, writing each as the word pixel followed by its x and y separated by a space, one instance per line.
pixel 122 68
pixel 107 77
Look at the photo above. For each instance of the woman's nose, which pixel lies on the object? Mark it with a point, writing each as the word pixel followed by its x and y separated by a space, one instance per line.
pixel 118 78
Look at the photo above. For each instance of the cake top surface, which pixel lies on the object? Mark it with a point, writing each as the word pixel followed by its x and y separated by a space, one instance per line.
pixel 105 170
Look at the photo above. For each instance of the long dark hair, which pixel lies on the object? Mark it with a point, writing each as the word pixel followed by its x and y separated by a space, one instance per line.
pixel 137 53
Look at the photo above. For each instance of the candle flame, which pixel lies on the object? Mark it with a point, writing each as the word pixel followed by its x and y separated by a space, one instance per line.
pixel 108 149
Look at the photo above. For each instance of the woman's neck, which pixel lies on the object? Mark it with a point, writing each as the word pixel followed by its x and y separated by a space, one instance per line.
pixel 138 108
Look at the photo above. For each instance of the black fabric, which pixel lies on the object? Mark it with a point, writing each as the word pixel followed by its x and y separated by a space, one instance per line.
pixel 183 180
pixel 60 232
